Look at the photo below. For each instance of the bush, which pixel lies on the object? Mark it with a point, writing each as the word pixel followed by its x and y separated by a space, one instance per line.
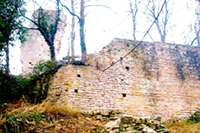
pixel 42 67
pixel 195 117
pixel 34 87
pixel 12 87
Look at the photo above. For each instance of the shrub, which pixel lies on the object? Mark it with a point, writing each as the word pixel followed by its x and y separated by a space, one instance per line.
pixel 42 67
pixel 40 78
pixel 12 87
pixel 195 117
pixel 34 87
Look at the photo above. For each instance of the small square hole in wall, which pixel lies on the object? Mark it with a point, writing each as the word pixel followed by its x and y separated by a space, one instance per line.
pixel 76 90
pixel 127 68
pixel 123 94
pixel 78 75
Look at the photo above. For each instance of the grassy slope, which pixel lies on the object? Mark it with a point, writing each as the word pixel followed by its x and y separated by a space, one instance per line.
pixel 57 117
pixel 45 117
pixel 182 126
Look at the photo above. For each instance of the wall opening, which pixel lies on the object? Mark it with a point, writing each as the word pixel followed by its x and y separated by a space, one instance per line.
pixel 76 90
pixel 127 68
pixel 123 94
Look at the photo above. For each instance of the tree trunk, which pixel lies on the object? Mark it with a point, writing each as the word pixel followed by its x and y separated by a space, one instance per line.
pixel 134 14
pixel 7 58
pixel 52 52
pixel 82 35
pixel 72 32
pixel 198 38
pixel 48 32
pixel 81 29
pixel 50 43
pixel 198 23
pixel 134 27
pixel 162 38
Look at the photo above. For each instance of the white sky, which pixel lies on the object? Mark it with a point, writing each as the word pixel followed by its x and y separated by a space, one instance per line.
pixel 104 24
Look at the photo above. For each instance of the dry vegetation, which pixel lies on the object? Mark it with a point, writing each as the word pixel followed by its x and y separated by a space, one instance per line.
pixel 56 117
pixel 45 117
pixel 182 126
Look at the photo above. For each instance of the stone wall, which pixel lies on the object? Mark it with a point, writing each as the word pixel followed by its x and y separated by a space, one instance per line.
pixel 155 79
pixel 35 48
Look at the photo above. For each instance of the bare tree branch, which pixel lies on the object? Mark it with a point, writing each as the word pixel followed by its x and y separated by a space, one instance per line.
pixel 98 5
pixel 118 23
pixel 70 11
pixel 134 11
pixel 193 41
pixel 48 30
pixel 151 37
pixel 31 20
pixel 104 6
pixel 31 28
pixel 162 23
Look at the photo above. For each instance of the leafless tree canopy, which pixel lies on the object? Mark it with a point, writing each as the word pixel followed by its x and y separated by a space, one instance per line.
pixel 134 10
pixel 152 9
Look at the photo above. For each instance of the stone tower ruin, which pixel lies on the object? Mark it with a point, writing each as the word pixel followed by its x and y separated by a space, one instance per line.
pixel 35 48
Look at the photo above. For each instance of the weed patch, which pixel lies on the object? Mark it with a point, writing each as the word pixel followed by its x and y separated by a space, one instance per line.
pixel 46 117
pixel 186 125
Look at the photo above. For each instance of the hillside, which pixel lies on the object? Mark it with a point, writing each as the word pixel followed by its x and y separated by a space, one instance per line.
pixel 155 88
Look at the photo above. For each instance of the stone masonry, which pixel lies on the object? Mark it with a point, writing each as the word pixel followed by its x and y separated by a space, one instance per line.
pixel 154 80
pixel 35 48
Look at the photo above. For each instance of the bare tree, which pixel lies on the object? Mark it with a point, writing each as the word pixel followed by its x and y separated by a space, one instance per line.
pixel 82 32
pixel 153 6
pixel 81 20
pixel 72 31
pixel 134 10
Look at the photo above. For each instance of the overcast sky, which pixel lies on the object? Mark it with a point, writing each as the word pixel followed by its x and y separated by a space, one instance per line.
pixel 104 24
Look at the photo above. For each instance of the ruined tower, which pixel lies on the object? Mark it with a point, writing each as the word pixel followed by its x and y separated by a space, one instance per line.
pixel 35 48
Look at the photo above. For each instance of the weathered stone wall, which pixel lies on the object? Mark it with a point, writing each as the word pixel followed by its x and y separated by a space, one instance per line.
pixel 35 48
pixel 155 79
